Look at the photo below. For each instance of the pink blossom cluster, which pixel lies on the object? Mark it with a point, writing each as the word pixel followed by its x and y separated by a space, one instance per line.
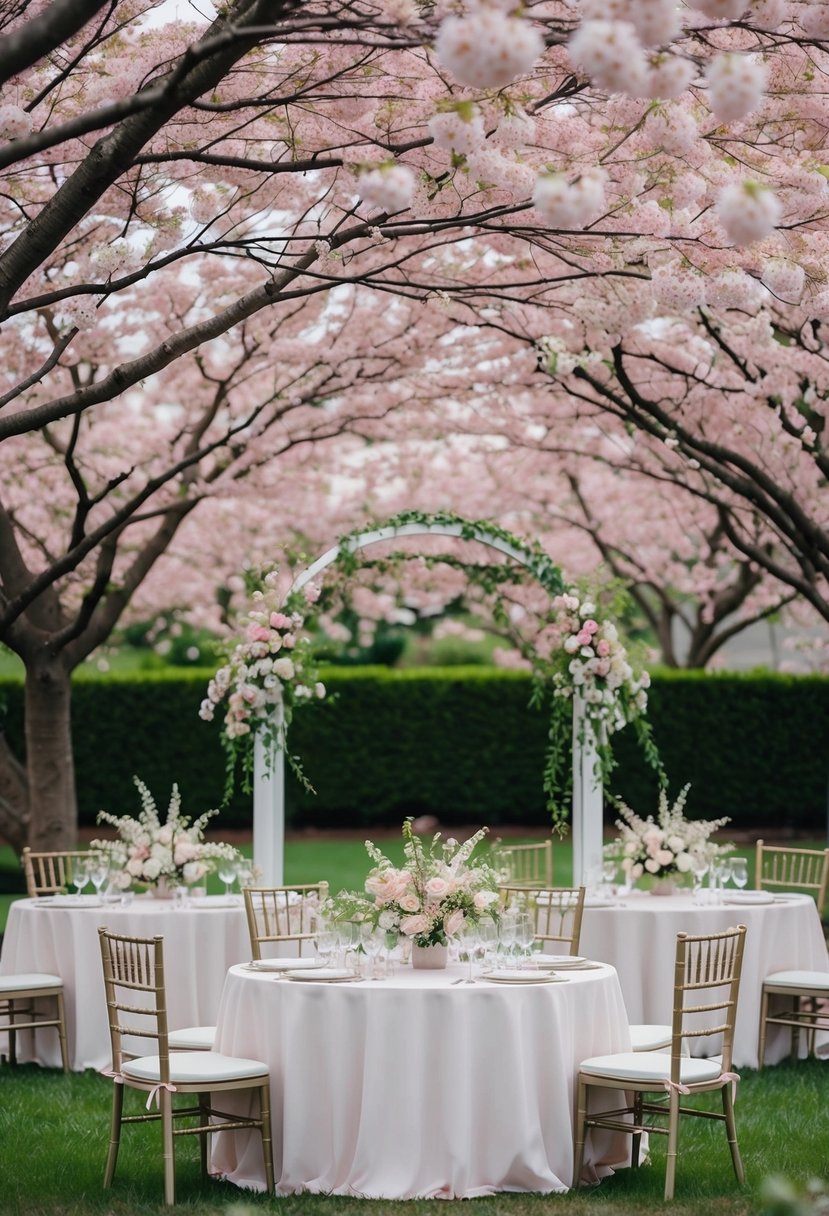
pixel 148 849
pixel 390 187
pixel 784 279
pixel 272 666
pixel 435 895
pixel 487 49
pixel 736 84
pixel 748 211
pixel 589 659
pixel 565 204
pixel 459 128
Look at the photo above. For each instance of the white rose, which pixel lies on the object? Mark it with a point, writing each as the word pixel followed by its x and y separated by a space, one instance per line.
pixel 683 862
pixel 152 868
pixel 284 668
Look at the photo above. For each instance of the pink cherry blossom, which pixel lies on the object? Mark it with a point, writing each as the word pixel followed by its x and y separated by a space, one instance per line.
pixel 389 188
pixel 748 212
pixel 611 55
pixel 487 49
pixel 784 279
pixel 736 84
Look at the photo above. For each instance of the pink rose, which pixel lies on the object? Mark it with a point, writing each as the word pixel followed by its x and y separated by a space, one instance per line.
pixel 311 593
pixel 584 638
pixel 258 633
pixel 603 648
pixel 410 925
pixel 454 922
pixel 279 620
pixel 437 887
pixel 590 626
pixel 409 902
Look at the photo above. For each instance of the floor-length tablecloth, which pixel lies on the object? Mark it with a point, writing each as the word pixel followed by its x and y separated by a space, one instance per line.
pixel 61 937
pixel 638 937
pixel 415 1087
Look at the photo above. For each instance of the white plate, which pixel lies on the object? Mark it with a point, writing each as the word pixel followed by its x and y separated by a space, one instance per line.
pixel 285 964
pixel 600 903
pixel 323 975
pixel 522 977
pixel 558 960
pixel 748 897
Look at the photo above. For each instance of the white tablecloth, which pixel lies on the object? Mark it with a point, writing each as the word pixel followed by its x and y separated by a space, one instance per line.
pixel 638 937
pixel 61 937
pixel 411 1087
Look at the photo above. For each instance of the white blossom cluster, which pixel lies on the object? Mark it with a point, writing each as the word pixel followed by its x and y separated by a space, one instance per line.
pixel 147 849
pixel 665 845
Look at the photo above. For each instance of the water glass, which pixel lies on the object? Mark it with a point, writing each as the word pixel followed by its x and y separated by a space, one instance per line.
pixel 739 871
pixel 181 898
pixel 80 876
pixel 227 872
pixel 98 872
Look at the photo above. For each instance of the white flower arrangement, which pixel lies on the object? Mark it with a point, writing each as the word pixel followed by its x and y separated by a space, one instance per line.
pixel 431 898
pixel 267 674
pixel 147 849
pixel 663 846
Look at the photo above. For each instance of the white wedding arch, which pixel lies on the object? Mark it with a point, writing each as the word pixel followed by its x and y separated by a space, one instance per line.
pixel 269 769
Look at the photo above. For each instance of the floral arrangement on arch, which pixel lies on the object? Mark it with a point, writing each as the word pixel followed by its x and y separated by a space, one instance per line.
pixel 587 658
pixel 266 676
pixel 431 898
pixel 148 849
pixel 666 845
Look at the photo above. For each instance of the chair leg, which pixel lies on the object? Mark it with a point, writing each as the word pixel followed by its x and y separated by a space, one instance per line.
pixel 64 1050
pixel 581 1116
pixel 673 1144
pixel 761 1040
pixel 731 1132
pixel 168 1151
pixel 636 1137
pixel 114 1134
pixel 267 1140
pixel 12 1035
pixel 204 1138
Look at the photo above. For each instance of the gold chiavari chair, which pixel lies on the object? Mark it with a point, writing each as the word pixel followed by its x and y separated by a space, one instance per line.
pixel 17 996
pixel 49 873
pixel 282 914
pixel 796 999
pixel 706 987
pixel 788 869
pixel 525 865
pixel 137 1007
pixel 556 913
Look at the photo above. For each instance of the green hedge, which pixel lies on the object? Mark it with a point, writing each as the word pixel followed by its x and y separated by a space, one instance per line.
pixel 457 742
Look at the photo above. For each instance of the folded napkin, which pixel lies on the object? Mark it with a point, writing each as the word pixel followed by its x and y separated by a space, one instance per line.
pixel 748 897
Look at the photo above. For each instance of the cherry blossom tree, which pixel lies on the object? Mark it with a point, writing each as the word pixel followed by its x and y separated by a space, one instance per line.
pixel 189 211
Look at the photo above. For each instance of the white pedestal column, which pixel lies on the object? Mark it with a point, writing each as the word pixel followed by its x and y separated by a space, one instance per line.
pixel 268 814
pixel 588 799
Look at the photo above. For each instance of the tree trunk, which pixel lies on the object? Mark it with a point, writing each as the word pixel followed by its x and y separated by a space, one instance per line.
pixel 14 798
pixel 53 813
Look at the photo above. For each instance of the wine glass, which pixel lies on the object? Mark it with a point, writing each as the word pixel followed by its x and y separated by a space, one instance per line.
pixel 726 872
pixel 509 926
pixel 98 871
pixel 227 872
pixel 739 871
pixel 325 942
pixel 524 937
pixel 80 876
pixel 372 941
pixel 471 938
pixel 610 868
pixel 699 868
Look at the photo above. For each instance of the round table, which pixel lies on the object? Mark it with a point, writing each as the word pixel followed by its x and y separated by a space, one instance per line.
pixel 416 1086
pixel 60 936
pixel 637 935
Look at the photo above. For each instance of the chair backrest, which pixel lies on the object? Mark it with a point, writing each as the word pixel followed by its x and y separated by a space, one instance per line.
pixel 525 865
pixel 136 997
pixel 556 912
pixel 49 873
pixel 790 869
pixel 283 914
pixel 707 973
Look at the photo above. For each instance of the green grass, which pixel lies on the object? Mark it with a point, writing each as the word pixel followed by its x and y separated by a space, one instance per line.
pixel 54 1129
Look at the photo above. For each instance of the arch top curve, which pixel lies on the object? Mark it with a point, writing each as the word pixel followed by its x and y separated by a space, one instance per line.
pixel 532 560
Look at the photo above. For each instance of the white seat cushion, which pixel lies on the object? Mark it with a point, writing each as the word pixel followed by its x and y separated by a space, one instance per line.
pixel 195 1067
pixel 192 1038
pixel 649 1038
pixel 799 979
pixel 650 1066
pixel 29 980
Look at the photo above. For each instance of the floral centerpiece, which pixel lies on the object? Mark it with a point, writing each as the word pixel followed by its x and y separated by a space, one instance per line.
pixel 150 852
pixel 432 897
pixel 664 847
pixel 267 674
pixel 588 660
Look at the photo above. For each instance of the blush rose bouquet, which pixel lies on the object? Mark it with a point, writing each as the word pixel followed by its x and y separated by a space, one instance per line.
pixel 433 896
pixel 664 846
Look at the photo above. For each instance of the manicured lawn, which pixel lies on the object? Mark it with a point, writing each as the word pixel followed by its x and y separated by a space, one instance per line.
pixel 54 1129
